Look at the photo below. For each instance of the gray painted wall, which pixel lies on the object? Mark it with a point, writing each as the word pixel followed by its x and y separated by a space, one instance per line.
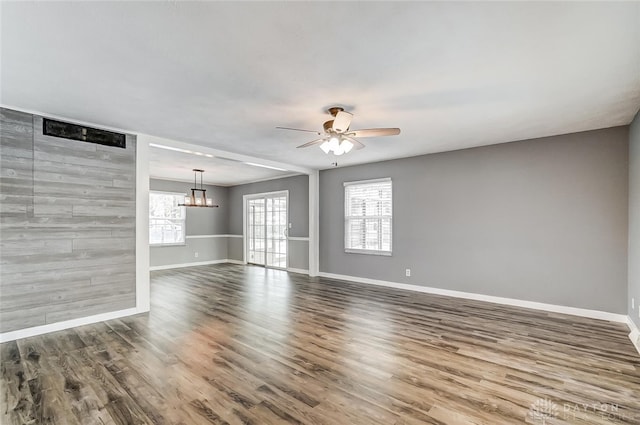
pixel 298 187
pixel 200 221
pixel 207 249
pixel 227 220
pixel 67 222
pixel 542 220
pixel 234 249
pixel 634 218
pixel 298 254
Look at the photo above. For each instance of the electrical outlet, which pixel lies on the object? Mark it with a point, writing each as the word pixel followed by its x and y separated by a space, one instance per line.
pixel 196 254
pixel 407 272
pixel 289 225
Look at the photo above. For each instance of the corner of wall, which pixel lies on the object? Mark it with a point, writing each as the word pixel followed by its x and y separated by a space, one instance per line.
pixel 633 262
pixel 634 336
pixel 143 291
pixel 314 223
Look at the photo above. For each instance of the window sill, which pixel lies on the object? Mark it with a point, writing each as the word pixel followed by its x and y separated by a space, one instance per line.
pixel 368 252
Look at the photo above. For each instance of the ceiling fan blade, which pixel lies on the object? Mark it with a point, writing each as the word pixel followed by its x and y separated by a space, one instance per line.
pixel 356 143
pixel 342 121
pixel 313 142
pixel 374 132
pixel 300 129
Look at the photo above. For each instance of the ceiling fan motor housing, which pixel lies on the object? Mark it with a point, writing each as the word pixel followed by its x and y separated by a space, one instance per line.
pixel 328 126
pixel 334 110
pixel 338 138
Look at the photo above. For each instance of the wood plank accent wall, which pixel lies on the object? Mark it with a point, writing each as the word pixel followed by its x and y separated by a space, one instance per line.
pixel 67 225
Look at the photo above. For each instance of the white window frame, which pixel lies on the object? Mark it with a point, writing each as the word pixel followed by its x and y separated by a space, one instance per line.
pixel 180 197
pixel 348 218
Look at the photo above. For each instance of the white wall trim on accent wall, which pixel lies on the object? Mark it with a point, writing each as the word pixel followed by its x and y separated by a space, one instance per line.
pixel 212 236
pixel 314 223
pixel 299 271
pixel 67 324
pixel 634 336
pixel 180 265
pixel 143 283
pixel 593 314
pixel 298 238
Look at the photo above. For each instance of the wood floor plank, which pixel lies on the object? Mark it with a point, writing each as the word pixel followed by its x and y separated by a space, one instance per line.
pixel 230 344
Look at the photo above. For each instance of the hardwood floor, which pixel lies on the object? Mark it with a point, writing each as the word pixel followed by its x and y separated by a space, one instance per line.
pixel 235 344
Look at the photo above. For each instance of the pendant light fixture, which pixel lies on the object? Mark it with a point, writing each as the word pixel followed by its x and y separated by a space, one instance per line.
pixel 198 196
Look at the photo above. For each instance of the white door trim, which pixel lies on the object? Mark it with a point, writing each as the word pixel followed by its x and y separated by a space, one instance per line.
pixel 265 195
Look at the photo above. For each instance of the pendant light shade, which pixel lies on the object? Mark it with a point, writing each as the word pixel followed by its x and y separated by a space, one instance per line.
pixel 198 197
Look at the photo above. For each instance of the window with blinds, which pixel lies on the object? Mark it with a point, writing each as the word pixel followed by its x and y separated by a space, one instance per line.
pixel 368 216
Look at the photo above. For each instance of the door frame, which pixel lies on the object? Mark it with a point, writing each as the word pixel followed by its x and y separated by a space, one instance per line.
pixel 247 197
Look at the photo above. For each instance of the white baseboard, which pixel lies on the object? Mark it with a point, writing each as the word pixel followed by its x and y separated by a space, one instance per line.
pixel 594 314
pixel 204 263
pixel 634 336
pixel 228 260
pixel 300 271
pixel 177 266
pixel 67 324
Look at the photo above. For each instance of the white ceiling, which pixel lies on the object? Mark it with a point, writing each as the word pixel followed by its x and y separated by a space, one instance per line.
pixel 224 74
pixel 171 164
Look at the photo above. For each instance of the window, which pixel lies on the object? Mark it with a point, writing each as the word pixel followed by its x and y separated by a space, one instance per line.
pixel 367 216
pixel 167 221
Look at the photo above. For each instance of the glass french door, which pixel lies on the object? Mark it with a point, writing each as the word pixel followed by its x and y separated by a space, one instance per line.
pixel 266 230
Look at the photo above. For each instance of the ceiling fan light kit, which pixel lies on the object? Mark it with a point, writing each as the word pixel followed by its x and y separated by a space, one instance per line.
pixel 336 145
pixel 198 196
pixel 337 136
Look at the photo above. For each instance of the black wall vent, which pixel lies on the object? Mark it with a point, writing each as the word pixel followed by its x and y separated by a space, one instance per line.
pixel 67 130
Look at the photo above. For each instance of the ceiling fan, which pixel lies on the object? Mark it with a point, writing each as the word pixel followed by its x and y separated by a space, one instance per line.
pixel 337 136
